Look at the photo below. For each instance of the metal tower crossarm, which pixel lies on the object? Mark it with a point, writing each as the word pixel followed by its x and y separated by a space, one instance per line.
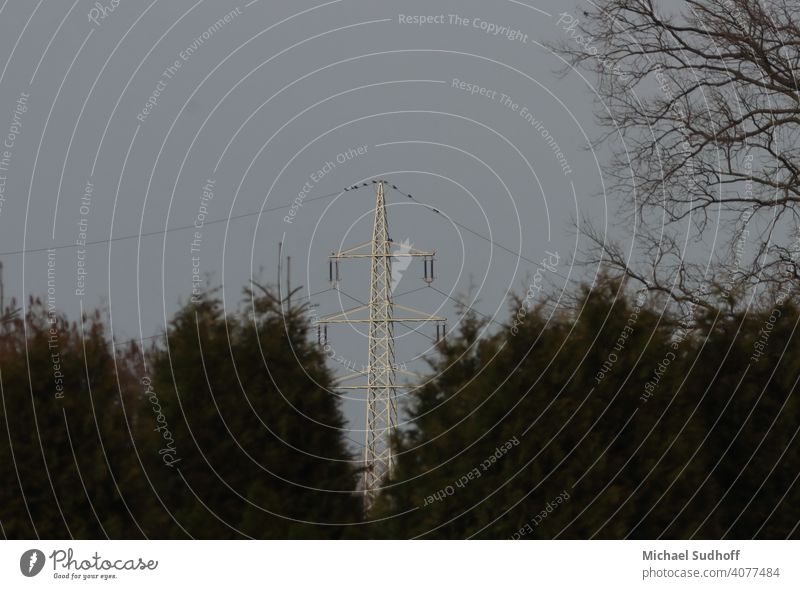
pixel 346 316
pixel 364 250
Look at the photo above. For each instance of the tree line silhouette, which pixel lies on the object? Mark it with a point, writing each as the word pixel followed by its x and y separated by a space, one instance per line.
pixel 608 419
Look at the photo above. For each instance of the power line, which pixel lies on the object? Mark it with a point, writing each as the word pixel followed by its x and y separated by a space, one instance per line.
pixel 477 234
pixel 278 208
pixel 181 228
pixel 287 206
pixel 444 294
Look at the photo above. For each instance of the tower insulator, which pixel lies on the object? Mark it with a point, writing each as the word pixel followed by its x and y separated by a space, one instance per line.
pixel 429 276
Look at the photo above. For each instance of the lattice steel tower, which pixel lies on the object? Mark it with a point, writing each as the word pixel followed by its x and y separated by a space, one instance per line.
pixel 381 369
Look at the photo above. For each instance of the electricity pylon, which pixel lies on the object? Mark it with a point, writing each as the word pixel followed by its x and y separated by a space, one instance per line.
pixel 381 371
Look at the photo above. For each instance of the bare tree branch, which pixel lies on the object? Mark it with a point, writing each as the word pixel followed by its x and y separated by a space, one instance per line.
pixel 702 111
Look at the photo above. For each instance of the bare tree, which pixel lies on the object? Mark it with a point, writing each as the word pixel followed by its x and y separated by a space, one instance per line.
pixel 701 106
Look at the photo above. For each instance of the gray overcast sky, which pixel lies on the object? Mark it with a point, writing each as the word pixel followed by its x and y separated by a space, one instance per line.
pixel 153 101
